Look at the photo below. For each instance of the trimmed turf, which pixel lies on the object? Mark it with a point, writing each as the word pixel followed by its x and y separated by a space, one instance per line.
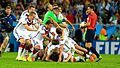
pixel 108 61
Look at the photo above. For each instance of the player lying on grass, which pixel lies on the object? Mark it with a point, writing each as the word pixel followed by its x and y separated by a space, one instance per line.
pixel 57 42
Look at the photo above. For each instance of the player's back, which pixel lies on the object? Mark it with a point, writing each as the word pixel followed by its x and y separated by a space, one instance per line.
pixel 39 33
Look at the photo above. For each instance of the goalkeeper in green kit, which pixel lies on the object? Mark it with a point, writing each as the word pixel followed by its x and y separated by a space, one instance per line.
pixel 51 14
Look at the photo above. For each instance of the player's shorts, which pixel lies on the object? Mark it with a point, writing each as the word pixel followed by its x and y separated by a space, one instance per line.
pixel 71 43
pixel 23 34
pixel 69 46
pixel 66 32
pixel 36 41
pixel 89 35
pixel 65 55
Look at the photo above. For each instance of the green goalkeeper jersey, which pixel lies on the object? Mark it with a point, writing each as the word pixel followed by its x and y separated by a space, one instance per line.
pixel 50 14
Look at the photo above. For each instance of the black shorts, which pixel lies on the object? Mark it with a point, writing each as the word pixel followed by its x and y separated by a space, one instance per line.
pixel 89 35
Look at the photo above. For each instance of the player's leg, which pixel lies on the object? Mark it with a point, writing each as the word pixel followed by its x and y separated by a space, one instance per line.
pixel 34 53
pixel 77 46
pixel 21 46
pixel 4 44
pixel 36 49
pixel 67 56
pixel 89 39
pixel 28 46
pixel 46 49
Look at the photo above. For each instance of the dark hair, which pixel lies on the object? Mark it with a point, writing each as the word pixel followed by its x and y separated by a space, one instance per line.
pixel 54 56
pixel 8 7
pixel 48 22
pixel 104 26
pixel 91 6
pixel 58 30
pixel 117 28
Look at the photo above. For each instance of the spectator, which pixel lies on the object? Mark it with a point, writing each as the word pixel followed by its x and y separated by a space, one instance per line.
pixel 113 18
pixel 80 6
pixel 96 37
pixel 114 5
pixel 79 17
pixel 70 17
pixel 17 13
pixel 40 9
pixel 117 34
pixel 105 16
pixel 103 33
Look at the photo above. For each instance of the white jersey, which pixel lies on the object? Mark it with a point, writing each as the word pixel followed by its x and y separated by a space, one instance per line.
pixel 24 21
pixel 52 30
pixel 37 39
pixel 65 55
pixel 58 42
pixel 66 31
pixel 39 33
pixel 20 31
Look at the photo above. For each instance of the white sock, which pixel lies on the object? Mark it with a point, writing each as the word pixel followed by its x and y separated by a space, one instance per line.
pixel 72 51
pixel 31 54
pixel 87 56
pixel 90 53
pixel 24 52
pixel 77 58
pixel 19 51
pixel 35 55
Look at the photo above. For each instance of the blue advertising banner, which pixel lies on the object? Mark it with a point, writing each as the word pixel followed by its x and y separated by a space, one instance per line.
pixel 107 47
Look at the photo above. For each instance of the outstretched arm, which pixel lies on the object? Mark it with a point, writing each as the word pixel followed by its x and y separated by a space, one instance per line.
pixel 54 22
pixel 60 55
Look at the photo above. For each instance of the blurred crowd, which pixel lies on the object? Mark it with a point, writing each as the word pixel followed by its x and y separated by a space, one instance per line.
pixel 108 11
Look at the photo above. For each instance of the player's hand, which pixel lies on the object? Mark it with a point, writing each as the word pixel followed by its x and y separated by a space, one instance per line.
pixel 39 20
pixel 85 50
pixel 82 24
pixel 50 18
pixel 73 28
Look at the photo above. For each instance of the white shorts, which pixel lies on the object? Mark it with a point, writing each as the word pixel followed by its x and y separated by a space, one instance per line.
pixel 66 48
pixel 36 41
pixel 65 55
pixel 23 34
pixel 70 43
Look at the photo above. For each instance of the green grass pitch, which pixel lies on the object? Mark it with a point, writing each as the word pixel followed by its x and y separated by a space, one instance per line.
pixel 108 61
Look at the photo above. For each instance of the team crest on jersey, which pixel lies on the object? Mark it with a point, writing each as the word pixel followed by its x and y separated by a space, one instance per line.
pixel 87 18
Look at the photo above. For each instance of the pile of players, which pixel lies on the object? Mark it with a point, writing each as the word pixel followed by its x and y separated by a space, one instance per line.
pixel 47 40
